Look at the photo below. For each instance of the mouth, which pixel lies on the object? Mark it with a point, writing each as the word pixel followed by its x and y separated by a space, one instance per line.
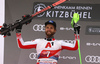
pixel 49 32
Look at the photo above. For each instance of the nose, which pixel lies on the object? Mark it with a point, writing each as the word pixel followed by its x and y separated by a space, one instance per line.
pixel 49 29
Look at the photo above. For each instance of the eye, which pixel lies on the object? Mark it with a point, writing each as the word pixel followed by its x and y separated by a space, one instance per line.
pixel 46 27
pixel 51 27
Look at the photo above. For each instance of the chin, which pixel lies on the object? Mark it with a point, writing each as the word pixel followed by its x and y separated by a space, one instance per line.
pixel 49 35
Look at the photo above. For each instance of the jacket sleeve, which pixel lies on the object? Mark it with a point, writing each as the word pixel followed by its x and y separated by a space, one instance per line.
pixel 25 45
pixel 70 46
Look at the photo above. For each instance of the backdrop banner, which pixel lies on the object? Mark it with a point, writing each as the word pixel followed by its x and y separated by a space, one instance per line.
pixel 62 15
pixel 87 12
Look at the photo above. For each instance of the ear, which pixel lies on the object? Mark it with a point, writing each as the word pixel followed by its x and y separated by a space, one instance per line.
pixel 55 30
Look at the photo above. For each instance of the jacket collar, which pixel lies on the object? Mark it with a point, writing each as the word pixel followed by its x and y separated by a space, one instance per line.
pixel 50 39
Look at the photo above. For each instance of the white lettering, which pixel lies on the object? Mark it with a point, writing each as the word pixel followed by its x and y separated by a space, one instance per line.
pixel 89 16
pixel 66 14
pixel 61 15
pixel 93 44
pixel 84 14
pixel 67 57
pixel 52 13
pixel 64 7
pixel 83 7
pixel 48 14
pixel 56 13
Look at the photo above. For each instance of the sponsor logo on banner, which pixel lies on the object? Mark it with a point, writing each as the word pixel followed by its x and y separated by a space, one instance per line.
pixel 93 30
pixel 69 41
pixel 66 28
pixel 92 59
pixel 33 56
pixel 39 7
pixel 67 57
pixel 85 11
pixel 39 27
pixel 92 44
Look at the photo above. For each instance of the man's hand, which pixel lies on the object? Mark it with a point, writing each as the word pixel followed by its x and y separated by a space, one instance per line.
pixel 76 28
pixel 18 28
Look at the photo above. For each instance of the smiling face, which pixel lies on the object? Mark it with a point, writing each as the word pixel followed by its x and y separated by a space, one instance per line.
pixel 49 30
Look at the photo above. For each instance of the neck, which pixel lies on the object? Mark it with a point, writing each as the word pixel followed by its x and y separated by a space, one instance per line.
pixel 49 36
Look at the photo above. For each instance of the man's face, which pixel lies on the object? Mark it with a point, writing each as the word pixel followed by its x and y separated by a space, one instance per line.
pixel 50 30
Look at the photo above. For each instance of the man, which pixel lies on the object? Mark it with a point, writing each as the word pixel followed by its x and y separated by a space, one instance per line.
pixel 48 49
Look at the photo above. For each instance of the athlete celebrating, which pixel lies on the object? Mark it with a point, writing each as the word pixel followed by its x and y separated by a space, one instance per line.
pixel 48 49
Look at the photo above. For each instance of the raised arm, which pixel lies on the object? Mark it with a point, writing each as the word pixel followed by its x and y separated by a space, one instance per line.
pixel 27 44
pixel 21 43
pixel 70 46
pixel 73 46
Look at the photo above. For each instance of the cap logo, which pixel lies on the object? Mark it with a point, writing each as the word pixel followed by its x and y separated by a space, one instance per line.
pixel 51 21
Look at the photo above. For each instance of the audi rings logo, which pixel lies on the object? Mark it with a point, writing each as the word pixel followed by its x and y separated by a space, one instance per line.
pixel 69 41
pixel 92 59
pixel 33 56
pixel 39 27
pixel 39 7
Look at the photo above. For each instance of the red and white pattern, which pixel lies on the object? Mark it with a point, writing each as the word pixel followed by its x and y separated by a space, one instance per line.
pixel 47 49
